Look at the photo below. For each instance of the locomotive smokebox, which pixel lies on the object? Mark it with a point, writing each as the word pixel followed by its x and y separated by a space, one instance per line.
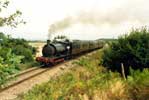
pixel 48 50
pixel 53 49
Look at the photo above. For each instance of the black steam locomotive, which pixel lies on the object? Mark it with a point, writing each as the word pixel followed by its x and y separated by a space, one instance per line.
pixel 59 51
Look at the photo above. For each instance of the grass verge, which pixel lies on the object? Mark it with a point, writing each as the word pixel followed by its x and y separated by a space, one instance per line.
pixel 87 80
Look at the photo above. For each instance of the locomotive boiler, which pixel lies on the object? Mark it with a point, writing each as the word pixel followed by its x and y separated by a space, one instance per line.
pixel 58 51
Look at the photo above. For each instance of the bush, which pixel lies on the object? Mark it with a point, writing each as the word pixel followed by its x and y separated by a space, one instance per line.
pixel 139 84
pixel 85 81
pixel 12 53
pixel 3 52
pixel 8 65
pixel 131 50
pixel 27 53
pixel 18 46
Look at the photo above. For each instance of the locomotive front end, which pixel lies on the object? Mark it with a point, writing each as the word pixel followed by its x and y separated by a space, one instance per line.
pixel 54 52
pixel 48 50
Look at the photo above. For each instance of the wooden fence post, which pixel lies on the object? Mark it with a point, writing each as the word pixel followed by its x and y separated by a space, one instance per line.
pixel 123 71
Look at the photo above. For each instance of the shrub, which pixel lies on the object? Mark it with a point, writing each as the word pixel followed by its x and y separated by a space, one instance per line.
pixel 18 46
pixel 131 50
pixel 8 65
pixel 12 53
pixel 139 84
pixel 27 53
pixel 85 81
pixel 3 52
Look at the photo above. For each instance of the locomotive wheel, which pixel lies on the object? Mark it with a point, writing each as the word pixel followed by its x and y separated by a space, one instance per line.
pixel 48 64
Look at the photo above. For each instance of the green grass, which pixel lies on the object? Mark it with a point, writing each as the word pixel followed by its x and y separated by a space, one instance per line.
pixel 87 79
pixel 28 65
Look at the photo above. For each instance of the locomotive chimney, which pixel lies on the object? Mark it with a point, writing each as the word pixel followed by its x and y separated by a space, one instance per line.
pixel 48 42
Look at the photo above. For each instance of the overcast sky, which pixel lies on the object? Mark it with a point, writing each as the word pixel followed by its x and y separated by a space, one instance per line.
pixel 88 19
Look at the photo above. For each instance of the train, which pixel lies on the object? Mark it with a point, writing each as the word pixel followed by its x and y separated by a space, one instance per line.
pixel 59 51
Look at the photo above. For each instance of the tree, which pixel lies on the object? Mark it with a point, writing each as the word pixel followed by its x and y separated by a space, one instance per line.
pixel 130 50
pixel 9 60
pixel 60 37
pixel 11 20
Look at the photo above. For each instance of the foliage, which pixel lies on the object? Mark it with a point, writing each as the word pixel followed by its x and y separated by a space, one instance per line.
pixel 19 47
pixel 8 65
pixel 27 53
pixel 10 57
pixel 131 50
pixel 139 84
pixel 87 81
pixel 108 40
pixel 80 82
pixel 60 37
pixel 13 53
pixel 12 20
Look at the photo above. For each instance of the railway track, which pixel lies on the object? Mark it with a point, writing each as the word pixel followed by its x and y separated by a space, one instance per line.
pixel 24 72
pixel 26 75
pixel 29 73
pixel 28 78
pixel 23 76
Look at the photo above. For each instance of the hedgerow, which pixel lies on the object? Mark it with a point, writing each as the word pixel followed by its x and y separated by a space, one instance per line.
pixel 18 46
pixel 13 52
pixel 130 50
pixel 89 81
pixel 8 65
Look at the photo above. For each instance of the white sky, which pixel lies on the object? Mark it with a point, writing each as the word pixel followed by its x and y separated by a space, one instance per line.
pixel 116 17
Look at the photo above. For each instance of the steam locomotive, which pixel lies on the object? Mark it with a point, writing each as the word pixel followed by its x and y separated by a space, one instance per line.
pixel 59 51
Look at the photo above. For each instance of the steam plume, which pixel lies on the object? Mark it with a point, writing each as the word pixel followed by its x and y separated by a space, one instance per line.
pixel 97 18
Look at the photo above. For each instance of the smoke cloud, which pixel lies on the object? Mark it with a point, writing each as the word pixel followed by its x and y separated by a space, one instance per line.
pixel 132 12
